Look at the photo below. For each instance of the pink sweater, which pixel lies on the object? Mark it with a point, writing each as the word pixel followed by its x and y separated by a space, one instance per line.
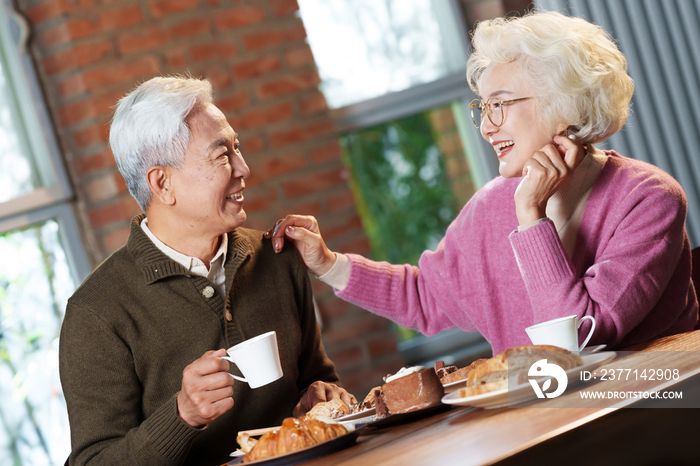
pixel 630 268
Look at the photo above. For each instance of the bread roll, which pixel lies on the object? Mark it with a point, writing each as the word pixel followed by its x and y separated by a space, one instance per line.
pixel 492 374
pixel 332 409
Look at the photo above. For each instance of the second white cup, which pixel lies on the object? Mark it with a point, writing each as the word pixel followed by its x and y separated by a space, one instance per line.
pixel 258 359
pixel 561 332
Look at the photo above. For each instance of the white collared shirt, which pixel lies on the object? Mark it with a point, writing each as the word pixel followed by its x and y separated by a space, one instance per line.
pixel 214 272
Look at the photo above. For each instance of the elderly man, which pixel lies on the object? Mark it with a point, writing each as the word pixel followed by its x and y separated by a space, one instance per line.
pixel 141 344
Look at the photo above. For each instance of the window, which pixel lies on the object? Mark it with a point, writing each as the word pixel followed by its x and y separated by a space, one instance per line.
pixel 394 74
pixel 378 47
pixel 43 261
pixel 401 167
pixel 32 301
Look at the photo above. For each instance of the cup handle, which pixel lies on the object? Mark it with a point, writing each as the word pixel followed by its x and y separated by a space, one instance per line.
pixel 228 358
pixel 590 333
pixel 237 378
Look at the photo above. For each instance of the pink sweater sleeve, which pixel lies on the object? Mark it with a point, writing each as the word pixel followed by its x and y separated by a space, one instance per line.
pixel 438 295
pixel 400 293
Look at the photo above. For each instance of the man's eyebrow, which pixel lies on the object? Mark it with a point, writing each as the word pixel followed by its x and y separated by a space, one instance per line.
pixel 219 142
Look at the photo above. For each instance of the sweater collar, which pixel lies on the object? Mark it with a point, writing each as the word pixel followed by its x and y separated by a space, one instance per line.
pixel 186 261
pixel 156 265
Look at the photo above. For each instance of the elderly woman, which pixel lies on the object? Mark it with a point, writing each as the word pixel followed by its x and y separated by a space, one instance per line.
pixel 567 229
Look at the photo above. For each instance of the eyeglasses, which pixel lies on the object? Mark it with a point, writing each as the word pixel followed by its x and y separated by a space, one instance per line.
pixel 492 108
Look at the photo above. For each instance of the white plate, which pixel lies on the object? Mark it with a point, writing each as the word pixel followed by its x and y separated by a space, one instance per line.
pixel 524 392
pixel 365 413
pixel 358 423
pixel 454 386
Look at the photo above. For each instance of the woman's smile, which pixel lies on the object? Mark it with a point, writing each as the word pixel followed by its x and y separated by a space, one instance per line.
pixel 502 147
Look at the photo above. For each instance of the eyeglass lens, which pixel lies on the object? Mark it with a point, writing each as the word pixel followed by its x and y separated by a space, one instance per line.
pixel 492 109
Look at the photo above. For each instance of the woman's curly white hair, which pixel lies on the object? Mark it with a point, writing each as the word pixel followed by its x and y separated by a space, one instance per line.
pixel 573 66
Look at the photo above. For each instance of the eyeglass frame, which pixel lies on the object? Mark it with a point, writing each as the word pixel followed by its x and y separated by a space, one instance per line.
pixel 480 103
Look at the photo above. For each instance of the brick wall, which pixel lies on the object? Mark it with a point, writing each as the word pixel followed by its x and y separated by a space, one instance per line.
pixel 90 52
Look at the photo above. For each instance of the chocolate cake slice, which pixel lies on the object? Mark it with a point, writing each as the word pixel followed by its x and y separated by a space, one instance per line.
pixel 411 392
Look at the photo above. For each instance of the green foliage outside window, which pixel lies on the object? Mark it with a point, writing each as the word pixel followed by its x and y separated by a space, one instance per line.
pixel 401 189
pixel 34 288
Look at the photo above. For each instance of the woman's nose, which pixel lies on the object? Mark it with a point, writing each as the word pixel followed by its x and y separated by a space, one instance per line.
pixel 487 128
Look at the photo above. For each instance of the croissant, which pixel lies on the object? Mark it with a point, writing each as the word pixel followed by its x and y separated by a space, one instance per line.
pixel 294 434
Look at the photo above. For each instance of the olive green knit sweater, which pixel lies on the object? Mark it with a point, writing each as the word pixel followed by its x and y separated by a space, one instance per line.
pixel 140 318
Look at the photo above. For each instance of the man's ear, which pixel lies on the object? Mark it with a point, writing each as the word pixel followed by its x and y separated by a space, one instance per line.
pixel 159 180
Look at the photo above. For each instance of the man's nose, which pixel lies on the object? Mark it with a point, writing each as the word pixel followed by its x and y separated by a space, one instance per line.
pixel 241 169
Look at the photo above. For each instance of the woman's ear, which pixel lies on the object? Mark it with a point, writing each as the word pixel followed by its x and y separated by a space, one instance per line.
pixel 562 130
pixel 160 182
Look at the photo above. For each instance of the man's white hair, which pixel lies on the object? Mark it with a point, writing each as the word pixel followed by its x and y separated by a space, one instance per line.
pixel 150 128
pixel 572 65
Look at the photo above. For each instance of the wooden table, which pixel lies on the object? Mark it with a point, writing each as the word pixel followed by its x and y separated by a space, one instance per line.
pixel 538 435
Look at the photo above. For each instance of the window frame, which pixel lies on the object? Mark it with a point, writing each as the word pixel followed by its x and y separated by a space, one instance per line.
pixel 69 232
pixel 52 200
pixel 446 90
pixel 22 80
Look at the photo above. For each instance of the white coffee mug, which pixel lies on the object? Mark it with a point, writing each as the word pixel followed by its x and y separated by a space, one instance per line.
pixel 562 332
pixel 258 359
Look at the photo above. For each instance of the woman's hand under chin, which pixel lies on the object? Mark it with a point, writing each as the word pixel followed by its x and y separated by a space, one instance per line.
pixel 547 171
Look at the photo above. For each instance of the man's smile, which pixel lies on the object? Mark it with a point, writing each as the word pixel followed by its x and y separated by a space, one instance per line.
pixel 238 196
